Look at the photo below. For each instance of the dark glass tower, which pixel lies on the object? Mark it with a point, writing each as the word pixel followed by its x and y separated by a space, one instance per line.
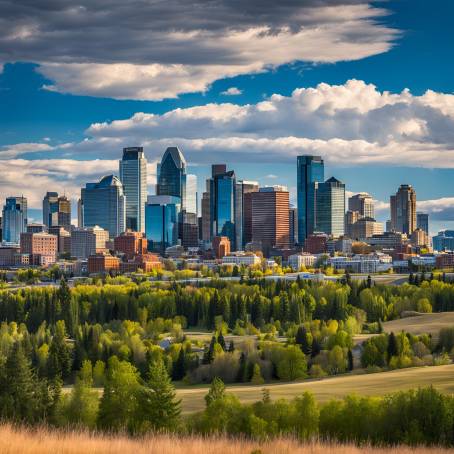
pixel 310 171
pixel 172 175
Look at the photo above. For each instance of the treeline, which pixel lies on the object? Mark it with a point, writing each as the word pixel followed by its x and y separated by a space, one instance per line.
pixel 130 403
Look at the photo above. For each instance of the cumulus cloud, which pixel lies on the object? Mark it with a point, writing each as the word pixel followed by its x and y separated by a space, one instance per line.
pixel 130 49
pixel 232 91
pixel 11 151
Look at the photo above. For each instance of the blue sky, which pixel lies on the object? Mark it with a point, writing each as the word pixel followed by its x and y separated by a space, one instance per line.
pixel 46 119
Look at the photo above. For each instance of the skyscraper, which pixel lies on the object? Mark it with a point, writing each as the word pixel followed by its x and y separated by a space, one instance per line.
pixel 133 175
pixel 56 210
pixel 14 219
pixel 293 226
pixel 162 213
pixel 422 222
pixel 363 204
pixel 270 218
pixel 330 207
pixel 104 205
pixel 310 171
pixel 403 210
pixel 243 211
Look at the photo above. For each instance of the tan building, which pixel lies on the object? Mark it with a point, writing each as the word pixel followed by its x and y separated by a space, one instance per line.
pixel 365 228
pixel 419 238
pixel 146 263
pixel 42 247
pixel 270 218
pixel 403 210
pixel 221 246
pixel 131 244
pixel 86 242
pixel 103 263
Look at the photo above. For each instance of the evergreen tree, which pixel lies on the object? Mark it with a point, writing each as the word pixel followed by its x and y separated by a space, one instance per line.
pixel 350 360
pixel 209 353
pixel 316 349
pixel 231 347
pixel 158 407
pixel 369 281
pixel 221 341
pixel 216 392
pixel 257 378
pixel 242 368
pixel 411 278
pixel 179 367
pixel 392 349
pixel 59 361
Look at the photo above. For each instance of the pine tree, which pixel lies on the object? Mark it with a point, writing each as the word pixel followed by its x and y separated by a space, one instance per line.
pixel 257 378
pixel 242 368
pixel 231 347
pixel 59 361
pixel 216 392
pixel 179 369
pixel 392 346
pixel 315 348
pixel 350 360
pixel 158 407
pixel 369 281
pixel 221 341
pixel 209 353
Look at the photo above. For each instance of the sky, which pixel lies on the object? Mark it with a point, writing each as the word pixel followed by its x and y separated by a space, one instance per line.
pixel 366 85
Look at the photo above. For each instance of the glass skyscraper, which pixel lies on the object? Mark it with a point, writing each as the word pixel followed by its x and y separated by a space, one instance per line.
pixel 133 175
pixel 104 205
pixel 422 222
pixel 310 171
pixel 56 211
pixel 330 207
pixel 162 213
pixel 14 219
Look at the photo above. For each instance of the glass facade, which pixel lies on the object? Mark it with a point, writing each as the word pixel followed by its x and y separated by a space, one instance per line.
pixel 171 174
pixel 133 175
pixel 14 219
pixel 104 205
pixel 330 207
pixel 310 171
pixel 161 222
pixel 422 222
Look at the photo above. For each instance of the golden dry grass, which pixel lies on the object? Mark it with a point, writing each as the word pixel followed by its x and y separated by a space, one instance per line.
pixel 377 384
pixel 42 441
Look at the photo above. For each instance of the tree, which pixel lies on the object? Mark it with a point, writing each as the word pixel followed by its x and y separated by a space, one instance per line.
pixel 179 368
pixel 221 341
pixel 216 392
pixel 158 407
pixel 59 360
pixel 392 349
pixel 350 360
pixel 292 364
pixel 231 347
pixel 257 378
pixel 242 369
pixel 304 340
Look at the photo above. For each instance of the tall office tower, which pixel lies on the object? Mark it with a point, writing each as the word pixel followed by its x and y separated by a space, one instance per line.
pixel 56 210
pixel 388 226
pixel 293 225
pixel 310 171
pixel 243 211
pixel 270 218
pixel 363 204
pixel 80 214
pixel 422 222
pixel 104 205
pixel 206 215
pixel 133 176
pixel 1 230
pixel 14 219
pixel 222 203
pixel 403 210
pixel 161 222
pixel 351 217
pixel 331 207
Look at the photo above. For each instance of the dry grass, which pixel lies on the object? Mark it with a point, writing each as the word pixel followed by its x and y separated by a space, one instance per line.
pixel 42 441
pixel 377 384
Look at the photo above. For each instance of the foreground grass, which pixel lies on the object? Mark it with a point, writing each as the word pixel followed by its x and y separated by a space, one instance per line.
pixel 377 384
pixel 43 441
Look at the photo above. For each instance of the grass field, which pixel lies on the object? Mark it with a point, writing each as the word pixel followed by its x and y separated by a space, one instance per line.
pixel 43 441
pixel 424 323
pixel 377 384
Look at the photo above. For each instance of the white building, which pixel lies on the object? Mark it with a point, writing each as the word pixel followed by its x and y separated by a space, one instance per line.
pixel 241 259
pixel 297 261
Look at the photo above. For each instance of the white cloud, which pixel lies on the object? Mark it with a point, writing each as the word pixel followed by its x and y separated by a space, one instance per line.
pixel 182 46
pixel 232 91
pixel 11 151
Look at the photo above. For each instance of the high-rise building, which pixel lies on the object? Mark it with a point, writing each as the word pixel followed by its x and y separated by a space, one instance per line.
pixel 293 225
pixel 310 171
pixel 104 205
pixel 206 215
pixel 363 204
pixel 222 203
pixel 422 221
pixel 133 175
pixel 330 207
pixel 243 212
pixel 56 210
pixel 80 214
pixel 188 229
pixel 88 241
pixel 270 218
pixel 403 210
pixel 162 213
pixel 14 219
pixel 221 246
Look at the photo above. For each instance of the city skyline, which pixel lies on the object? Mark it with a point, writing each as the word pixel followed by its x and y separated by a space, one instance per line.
pixel 367 86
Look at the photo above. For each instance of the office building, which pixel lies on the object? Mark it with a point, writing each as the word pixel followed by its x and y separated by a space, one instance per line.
pixel 422 222
pixel 41 247
pixel 299 261
pixel 243 211
pixel 63 238
pixel 80 214
pixel 363 228
pixel 310 171
pixel 206 216
pixel 133 176
pixel 104 205
pixel 188 230
pixel 293 226
pixel 146 262
pixel 419 238
pixel 14 219
pixel 130 244
pixel 330 207
pixel 89 241
pixel 56 210
pixel 162 213
pixel 221 246
pixel 316 243
pixel 270 218
pixel 36 228
pixel 403 210
pixel 363 204
pixel 444 241
pixel 103 263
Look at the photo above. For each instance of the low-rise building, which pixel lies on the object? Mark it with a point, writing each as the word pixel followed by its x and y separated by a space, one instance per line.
pixel 316 243
pixel 131 244
pixel 241 258
pixel 298 261
pixel 145 262
pixel 103 263
pixel 42 247
pixel 445 260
